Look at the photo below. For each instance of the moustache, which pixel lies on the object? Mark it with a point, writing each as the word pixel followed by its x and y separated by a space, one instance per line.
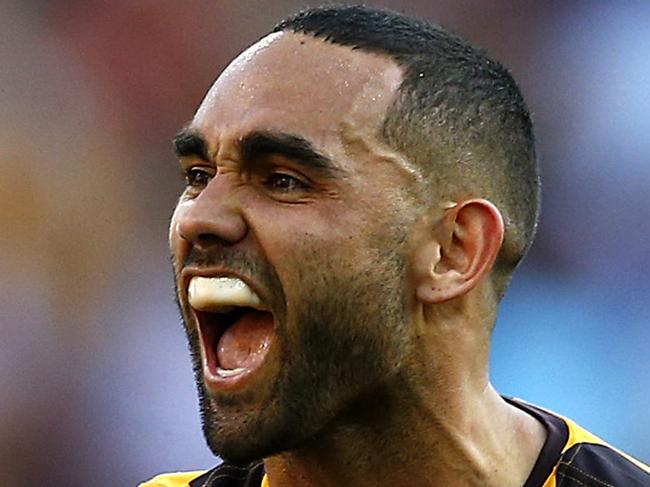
pixel 237 260
pixel 242 262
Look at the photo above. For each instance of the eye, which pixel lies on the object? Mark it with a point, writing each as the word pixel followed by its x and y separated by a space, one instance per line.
pixel 197 177
pixel 285 183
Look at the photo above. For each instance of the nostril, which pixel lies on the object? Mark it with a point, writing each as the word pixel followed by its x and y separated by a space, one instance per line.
pixel 210 239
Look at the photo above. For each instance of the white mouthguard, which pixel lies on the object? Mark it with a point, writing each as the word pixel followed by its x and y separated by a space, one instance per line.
pixel 221 294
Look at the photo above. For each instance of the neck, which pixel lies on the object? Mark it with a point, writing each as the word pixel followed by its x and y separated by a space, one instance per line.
pixel 472 439
pixel 437 422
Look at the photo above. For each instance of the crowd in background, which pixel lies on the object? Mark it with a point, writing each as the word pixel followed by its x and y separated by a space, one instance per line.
pixel 96 385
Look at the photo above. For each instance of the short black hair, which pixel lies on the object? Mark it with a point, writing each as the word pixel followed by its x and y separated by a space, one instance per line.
pixel 458 114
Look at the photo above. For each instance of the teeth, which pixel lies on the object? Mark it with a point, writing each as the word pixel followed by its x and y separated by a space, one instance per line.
pixel 230 372
pixel 221 294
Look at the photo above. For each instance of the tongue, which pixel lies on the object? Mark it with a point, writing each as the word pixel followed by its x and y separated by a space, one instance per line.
pixel 245 343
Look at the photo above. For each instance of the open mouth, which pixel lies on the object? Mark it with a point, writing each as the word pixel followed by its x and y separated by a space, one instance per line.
pixel 235 328
pixel 235 341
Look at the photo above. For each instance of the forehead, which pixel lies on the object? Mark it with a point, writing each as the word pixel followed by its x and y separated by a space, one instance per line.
pixel 298 84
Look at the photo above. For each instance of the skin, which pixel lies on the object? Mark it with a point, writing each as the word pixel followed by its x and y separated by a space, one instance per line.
pixel 366 264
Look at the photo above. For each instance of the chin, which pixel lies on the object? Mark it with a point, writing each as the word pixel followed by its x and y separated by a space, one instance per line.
pixel 242 437
pixel 241 452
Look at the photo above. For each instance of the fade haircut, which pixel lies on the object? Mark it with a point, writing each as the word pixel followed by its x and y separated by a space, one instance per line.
pixel 457 114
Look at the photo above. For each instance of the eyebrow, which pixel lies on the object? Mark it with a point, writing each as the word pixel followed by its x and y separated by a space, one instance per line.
pixel 260 144
pixel 189 143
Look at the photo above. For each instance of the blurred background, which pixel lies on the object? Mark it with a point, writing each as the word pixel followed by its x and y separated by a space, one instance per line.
pixel 96 385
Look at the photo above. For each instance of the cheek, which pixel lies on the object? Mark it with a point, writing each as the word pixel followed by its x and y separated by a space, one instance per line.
pixel 292 243
pixel 317 224
pixel 311 240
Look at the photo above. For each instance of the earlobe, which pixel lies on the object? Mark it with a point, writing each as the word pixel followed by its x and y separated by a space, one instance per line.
pixel 461 251
pixel 426 261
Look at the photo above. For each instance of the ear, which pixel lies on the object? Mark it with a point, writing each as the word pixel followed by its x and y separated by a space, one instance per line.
pixel 461 251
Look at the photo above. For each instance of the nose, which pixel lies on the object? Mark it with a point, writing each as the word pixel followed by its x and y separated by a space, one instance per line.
pixel 213 216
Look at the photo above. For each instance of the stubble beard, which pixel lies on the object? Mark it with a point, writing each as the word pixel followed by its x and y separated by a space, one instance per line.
pixel 345 338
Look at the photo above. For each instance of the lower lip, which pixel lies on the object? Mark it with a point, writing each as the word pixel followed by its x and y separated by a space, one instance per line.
pixel 218 383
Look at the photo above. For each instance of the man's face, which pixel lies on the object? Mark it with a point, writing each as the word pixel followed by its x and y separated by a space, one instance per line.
pixel 293 193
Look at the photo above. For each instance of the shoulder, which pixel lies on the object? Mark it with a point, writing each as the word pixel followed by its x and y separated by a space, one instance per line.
pixel 177 479
pixel 574 457
pixel 588 460
pixel 225 475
